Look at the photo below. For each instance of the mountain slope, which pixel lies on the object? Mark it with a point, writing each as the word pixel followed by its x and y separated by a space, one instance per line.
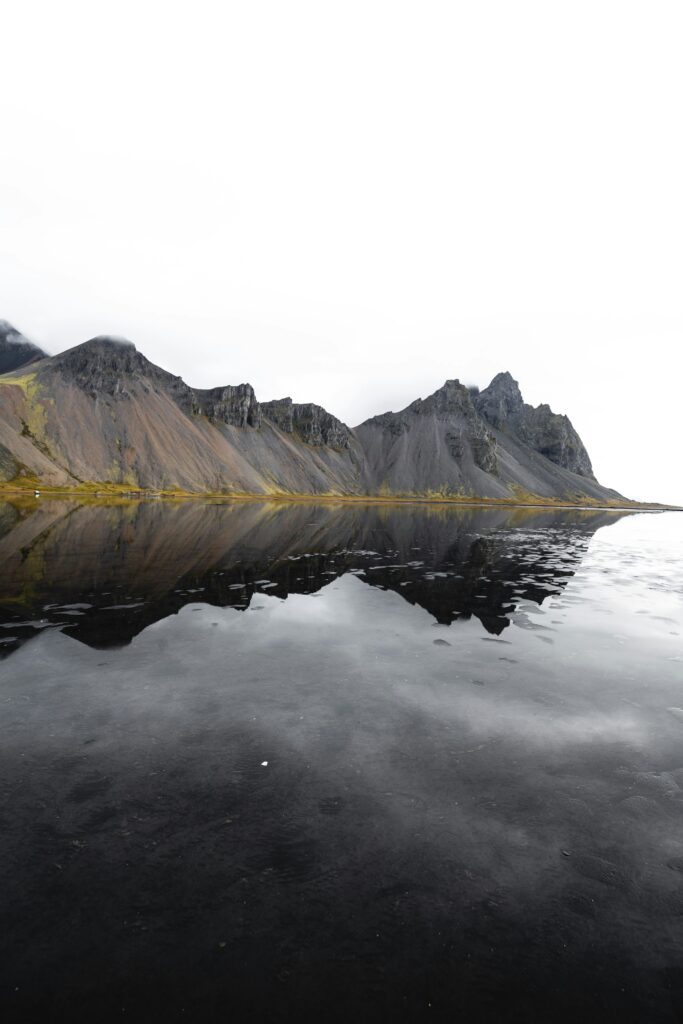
pixel 101 413
pixel 454 442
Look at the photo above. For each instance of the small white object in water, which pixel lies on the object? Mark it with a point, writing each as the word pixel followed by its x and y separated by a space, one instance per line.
pixel 264 764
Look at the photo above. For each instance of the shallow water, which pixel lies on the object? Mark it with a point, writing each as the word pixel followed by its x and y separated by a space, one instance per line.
pixel 269 762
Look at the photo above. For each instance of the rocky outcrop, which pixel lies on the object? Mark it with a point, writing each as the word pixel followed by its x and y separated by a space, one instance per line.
pixel 313 424
pixel 550 434
pixel 501 401
pixel 16 351
pixel 281 413
pixel 454 401
pixel 113 366
pixel 236 405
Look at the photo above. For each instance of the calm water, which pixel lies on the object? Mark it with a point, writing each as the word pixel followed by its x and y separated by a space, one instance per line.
pixel 266 762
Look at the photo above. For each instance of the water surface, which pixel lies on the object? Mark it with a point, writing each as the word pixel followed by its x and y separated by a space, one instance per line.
pixel 271 762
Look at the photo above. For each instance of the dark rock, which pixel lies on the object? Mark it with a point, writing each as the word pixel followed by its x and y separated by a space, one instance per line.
pixel 111 366
pixel 394 423
pixel 453 397
pixel 236 405
pixel 501 401
pixel 16 351
pixel 281 413
pixel 548 433
pixel 452 403
pixel 312 423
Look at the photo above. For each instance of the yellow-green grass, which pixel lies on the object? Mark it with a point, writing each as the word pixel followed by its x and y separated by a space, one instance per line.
pixel 520 499
pixel 24 382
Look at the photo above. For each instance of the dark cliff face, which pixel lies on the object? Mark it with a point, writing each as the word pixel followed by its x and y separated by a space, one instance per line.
pixel 105 365
pixel 501 401
pixel 235 405
pixel 312 423
pixel 548 433
pixel 16 351
pixel 114 367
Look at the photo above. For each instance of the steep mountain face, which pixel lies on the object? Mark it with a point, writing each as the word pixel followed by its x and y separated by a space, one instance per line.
pixel 437 444
pixel 230 404
pixel 101 413
pixel 488 445
pixel 548 433
pixel 16 350
pixel 312 423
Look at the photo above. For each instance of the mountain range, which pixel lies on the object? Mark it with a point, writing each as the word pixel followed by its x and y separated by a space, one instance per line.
pixel 102 415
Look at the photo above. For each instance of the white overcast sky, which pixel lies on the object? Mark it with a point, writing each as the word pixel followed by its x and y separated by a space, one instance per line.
pixel 351 202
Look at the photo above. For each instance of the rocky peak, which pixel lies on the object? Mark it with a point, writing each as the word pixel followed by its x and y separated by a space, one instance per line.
pixel 501 400
pixel 452 397
pixel 463 429
pixel 548 433
pixel 108 365
pixel 16 351
pixel 113 366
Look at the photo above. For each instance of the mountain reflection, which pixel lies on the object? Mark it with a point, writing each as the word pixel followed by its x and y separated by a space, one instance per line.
pixel 103 572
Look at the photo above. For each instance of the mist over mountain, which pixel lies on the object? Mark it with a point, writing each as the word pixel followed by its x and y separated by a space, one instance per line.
pixel 16 350
pixel 102 414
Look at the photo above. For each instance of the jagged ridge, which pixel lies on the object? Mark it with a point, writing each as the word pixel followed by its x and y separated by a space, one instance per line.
pixel 548 433
pixel 102 412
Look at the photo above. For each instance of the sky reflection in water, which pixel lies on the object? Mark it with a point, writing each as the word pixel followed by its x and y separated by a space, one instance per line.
pixel 473 728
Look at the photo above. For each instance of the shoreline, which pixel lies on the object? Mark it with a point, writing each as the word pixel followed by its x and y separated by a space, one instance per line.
pixel 121 494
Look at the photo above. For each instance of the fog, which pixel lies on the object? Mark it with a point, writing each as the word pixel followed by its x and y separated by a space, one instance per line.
pixel 351 205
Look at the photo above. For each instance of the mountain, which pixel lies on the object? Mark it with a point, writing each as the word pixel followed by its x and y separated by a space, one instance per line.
pixel 548 433
pixel 102 414
pixel 16 350
pixel 491 444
